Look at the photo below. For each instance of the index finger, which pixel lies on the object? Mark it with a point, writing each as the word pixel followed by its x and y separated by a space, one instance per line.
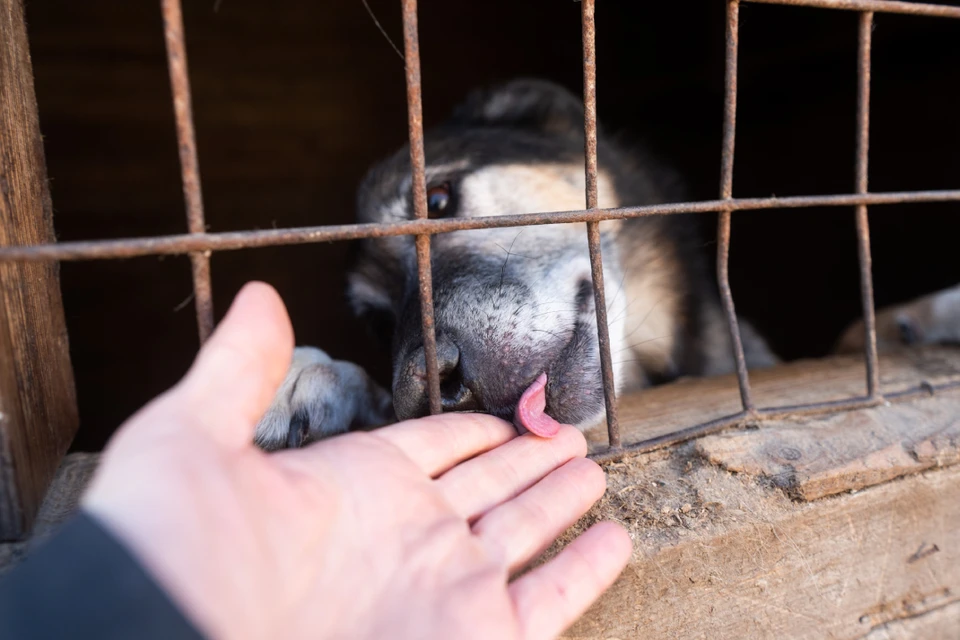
pixel 438 443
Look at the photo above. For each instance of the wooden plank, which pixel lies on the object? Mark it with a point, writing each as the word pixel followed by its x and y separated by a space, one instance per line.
pixel 812 459
pixel 719 555
pixel 669 408
pixel 939 624
pixel 723 548
pixel 38 412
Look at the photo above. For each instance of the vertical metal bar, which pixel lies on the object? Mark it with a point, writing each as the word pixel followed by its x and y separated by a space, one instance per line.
pixel 411 43
pixel 726 193
pixel 593 228
pixel 863 225
pixel 588 25
pixel 189 166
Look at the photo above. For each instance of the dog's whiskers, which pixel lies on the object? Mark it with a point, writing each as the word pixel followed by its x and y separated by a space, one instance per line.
pixel 642 342
pixel 557 336
pixel 503 269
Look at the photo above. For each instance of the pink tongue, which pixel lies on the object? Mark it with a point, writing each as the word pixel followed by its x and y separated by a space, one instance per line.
pixel 530 410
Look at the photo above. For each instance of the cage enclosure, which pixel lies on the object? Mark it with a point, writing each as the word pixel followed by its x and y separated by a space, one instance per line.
pixel 773 117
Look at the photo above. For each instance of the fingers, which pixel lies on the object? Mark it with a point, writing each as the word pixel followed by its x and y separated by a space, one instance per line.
pixel 437 443
pixel 518 530
pixel 478 485
pixel 239 369
pixel 551 597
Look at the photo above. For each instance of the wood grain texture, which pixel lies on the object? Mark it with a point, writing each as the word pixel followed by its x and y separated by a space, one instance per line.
pixel 939 624
pixel 668 408
pixel 730 540
pixel 719 555
pixel 812 459
pixel 38 414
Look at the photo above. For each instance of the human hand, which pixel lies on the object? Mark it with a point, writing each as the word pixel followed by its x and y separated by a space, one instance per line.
pixel 410 531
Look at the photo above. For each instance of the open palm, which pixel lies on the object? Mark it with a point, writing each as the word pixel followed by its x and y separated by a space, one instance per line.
pixel 411 531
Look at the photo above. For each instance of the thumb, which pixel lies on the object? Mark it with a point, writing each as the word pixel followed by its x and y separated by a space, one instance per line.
pixel 239 369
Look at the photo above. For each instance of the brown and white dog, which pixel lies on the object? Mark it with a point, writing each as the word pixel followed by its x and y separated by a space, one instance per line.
pixel 512 304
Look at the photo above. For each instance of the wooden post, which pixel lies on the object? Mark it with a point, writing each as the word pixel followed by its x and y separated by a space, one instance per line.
pixel 38 408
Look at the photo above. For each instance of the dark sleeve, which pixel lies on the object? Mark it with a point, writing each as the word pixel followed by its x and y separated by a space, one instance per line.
pixel 83 583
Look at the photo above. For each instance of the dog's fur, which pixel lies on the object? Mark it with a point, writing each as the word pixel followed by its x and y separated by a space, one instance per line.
pixel 513 303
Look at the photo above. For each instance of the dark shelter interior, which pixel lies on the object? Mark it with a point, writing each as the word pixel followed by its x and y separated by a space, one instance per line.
pixel 294 101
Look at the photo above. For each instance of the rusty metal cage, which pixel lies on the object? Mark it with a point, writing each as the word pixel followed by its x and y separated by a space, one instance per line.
pixel 199 244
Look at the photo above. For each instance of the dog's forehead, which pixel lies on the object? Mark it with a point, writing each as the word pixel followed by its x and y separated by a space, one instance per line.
pixel 451 153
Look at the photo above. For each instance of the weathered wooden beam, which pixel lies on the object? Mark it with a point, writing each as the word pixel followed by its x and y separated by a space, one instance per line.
pixel 719 555
pixel 938 624
pixel 842 526
pixel 38 409
pixel 815 458
pixel 669 408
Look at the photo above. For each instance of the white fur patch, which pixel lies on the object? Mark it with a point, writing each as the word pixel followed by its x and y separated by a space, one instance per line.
pixel 523 188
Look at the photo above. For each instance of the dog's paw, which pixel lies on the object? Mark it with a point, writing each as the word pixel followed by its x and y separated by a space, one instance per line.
pixel 932 319
pixel 321 397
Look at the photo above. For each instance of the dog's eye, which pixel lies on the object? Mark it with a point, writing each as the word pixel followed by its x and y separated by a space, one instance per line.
pixel 438 199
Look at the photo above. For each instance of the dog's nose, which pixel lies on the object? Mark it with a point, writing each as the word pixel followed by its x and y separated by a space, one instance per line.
pixel 410 399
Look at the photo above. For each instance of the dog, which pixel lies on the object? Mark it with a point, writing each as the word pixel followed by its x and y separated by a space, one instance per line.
pixel 513 304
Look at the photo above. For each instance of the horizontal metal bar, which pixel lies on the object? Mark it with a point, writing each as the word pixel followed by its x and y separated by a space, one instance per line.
pixel 878 6
pixel 672 438
pixel 232 240
pixel 771 413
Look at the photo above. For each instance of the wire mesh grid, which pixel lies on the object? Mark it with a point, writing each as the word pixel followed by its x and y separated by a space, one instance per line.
pixel 199 244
